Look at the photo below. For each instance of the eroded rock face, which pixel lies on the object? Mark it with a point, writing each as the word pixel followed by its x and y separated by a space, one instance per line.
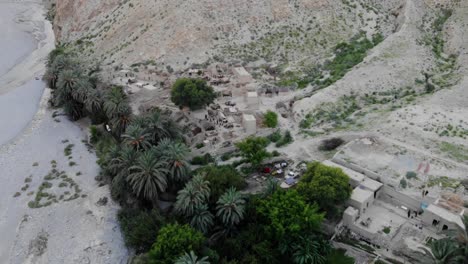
pixel 182 32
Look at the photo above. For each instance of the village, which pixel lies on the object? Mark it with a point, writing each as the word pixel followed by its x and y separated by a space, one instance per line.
pixel 401 200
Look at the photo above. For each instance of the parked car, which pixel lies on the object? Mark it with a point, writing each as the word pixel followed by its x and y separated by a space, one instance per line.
pixel 284 164
pixel 266 170
pixel 292 175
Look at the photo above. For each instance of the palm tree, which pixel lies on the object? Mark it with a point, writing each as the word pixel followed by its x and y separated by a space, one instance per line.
pixel 231 207
pixel 202 218
pixel 201 185
pixel 156 123
pixel 137 137
pixel 444 251
pixel 271 187
pixel 67 81
pixel 148 176
pixel 55 53
pixel 141 121
pixel 121 164
pixel 175 154
pixel 192 195
pixel 310 251
pixel 81 89
pixel 115 103
pixel 59 63
pixel 162 126
pixel 191 259
pixel 117 110
pixel 93 103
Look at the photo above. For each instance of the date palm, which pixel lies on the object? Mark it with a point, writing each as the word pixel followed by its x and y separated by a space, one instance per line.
pixel 117 110
pixel 93 101
pixel 67 81
pixel 57 65
pixel 191 258
pixel 230 207
pixel 115 103
pixel 188 199
pixel 136 137
pixel 444 251
pixel 81 89
pixel 162 126
pixel 148 176
pixel 202 218
pixel 308 250
pixel 175 154
pixel 121 164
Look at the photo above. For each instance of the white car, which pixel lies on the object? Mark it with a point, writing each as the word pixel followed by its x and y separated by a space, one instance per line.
pixel 292 174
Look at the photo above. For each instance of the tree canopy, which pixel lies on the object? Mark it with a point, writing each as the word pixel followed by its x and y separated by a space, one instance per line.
pixel 220 179
pixel 192 93
pixel 173 241
pixel 328 186
pixel 253 149
pixel 286 213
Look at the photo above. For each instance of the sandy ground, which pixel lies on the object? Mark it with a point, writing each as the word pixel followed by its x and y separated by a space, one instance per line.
pixel 79 230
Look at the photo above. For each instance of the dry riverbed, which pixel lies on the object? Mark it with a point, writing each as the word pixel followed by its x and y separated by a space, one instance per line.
pixel 51 208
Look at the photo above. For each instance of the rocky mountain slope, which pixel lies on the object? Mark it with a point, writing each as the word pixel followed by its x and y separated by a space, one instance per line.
pixel 180 32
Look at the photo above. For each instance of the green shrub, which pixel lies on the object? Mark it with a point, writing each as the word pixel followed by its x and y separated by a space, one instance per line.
pixel 285 140
pixel 221 178
pixel 411 175
pixel 95 134
pixel 199 145
pixel 386 230
pixel 226 156
pixel 275 136
pixel 202 160
pixel 140 228
pixel 271 119
pixel 173 240
pixel 403 183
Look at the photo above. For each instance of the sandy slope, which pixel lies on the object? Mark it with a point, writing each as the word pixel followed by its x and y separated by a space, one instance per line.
pixel 75 231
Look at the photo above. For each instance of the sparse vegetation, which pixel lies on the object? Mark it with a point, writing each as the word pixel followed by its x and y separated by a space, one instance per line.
pixel 386 230
pixel 271 119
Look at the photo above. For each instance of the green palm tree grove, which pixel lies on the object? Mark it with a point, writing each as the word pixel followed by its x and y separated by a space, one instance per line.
pixel 230 207
pixel 191 258
pixel 147 177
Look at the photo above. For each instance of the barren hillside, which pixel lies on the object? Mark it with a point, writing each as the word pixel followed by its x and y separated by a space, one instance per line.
pixel 180 33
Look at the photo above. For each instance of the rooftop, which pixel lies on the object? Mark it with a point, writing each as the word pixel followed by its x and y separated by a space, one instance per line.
pixel 241 71
pixel 361 195
pixel 249 117
pixel 355 176
pixel 445 214
pixel 252 94
pixel 370 184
